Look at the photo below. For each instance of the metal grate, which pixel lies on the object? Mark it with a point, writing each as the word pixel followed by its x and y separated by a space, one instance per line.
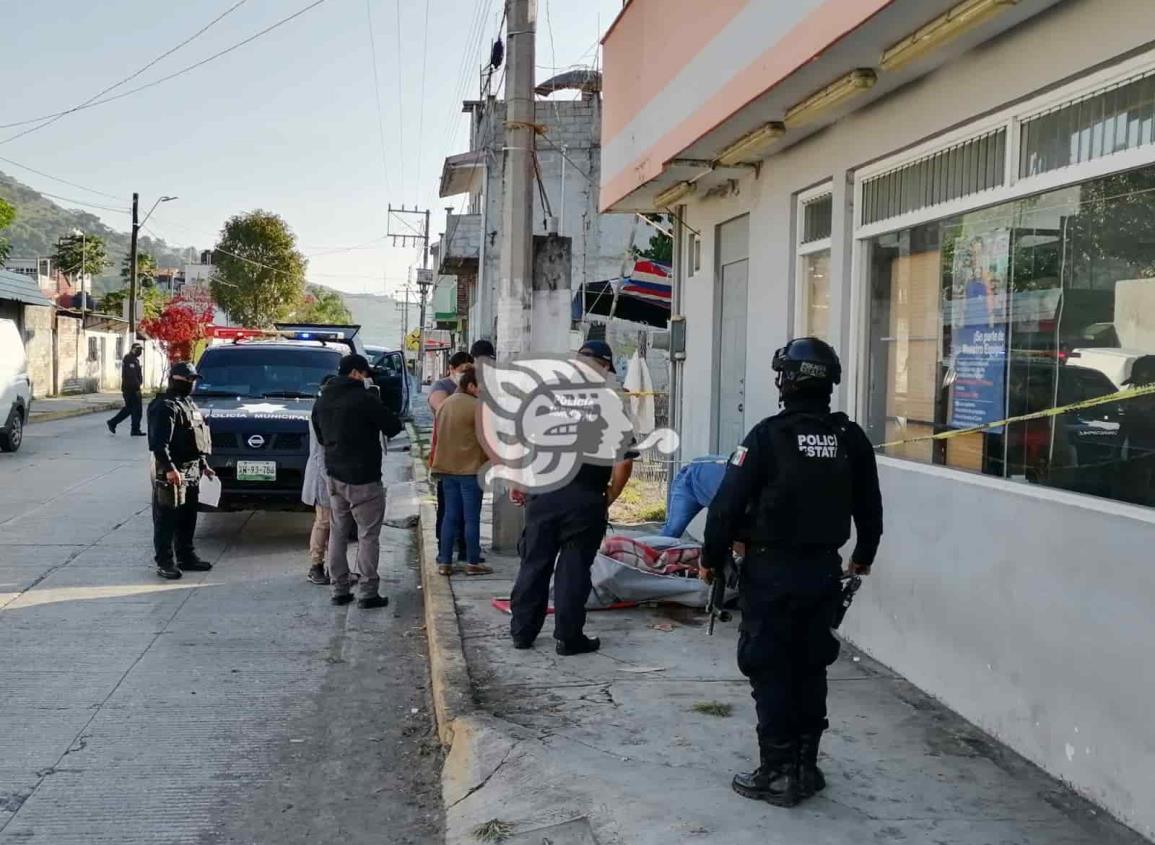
pixel 817 217
pixel 1122 118
pixel 976 165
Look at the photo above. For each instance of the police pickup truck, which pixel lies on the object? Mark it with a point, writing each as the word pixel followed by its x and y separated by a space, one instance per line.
pixel 257 394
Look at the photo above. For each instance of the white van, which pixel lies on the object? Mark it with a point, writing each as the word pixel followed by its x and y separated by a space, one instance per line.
pixel 15 388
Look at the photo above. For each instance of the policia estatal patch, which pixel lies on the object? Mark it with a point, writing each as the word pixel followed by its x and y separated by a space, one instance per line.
pixel 739 456
pixel 818 445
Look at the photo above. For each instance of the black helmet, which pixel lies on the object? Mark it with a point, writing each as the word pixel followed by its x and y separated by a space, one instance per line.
pixel 805 359
pixel 184 369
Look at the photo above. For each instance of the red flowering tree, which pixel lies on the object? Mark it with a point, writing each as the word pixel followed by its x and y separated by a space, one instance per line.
pixel 182 324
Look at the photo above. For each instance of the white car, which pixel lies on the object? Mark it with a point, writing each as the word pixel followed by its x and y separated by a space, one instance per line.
pixel 15 387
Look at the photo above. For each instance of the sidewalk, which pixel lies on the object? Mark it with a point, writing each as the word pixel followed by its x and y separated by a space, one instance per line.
pixel 608 748
pixel 61 407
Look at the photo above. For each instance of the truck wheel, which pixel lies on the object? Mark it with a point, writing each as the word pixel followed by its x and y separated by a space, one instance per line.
pixel 13 435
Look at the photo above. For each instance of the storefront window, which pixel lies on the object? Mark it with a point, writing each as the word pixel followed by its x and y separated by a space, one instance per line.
pixel 816 279
pixel 1015 309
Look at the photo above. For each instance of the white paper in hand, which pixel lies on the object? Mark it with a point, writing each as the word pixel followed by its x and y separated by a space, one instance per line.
pixel 210 491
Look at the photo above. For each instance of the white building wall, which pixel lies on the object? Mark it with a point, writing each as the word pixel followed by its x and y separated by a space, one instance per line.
pixel 1024 609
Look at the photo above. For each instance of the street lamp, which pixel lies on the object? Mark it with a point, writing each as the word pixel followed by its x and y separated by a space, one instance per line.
pixel 132 280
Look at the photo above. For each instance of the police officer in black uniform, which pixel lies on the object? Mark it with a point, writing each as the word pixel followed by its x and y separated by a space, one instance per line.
pixel 790 492
pixel 179 439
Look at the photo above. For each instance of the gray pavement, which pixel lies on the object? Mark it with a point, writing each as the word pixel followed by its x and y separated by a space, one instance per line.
pixel 60 407
pixel 607 748
pixel 235 706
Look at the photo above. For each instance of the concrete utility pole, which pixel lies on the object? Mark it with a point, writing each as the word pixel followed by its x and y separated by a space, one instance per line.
pixel 424 283
pixel 132 269
pixel 424 275
pixel 515 282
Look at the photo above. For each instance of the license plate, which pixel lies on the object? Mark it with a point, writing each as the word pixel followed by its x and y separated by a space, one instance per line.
pixel 256 470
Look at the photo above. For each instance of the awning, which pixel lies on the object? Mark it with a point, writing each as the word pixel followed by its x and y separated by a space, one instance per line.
pixel 642 297
pixel 461 174
pixel 20 288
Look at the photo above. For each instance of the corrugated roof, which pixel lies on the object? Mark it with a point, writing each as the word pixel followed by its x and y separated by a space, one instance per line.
pixel 18 287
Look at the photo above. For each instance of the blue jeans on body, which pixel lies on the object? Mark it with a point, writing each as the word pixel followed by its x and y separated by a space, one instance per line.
pixel 693 489
pixel 462 506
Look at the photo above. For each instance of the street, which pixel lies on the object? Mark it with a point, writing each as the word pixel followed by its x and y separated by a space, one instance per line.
pixel 233 706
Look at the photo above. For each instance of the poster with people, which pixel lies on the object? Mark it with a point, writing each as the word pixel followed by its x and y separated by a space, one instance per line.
pixel 979 329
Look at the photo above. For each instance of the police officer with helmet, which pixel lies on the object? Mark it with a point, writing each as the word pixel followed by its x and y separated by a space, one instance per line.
pixel 790 493
pixel 179 440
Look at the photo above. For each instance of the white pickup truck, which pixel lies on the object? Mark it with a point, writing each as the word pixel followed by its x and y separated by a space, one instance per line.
pixel 15 388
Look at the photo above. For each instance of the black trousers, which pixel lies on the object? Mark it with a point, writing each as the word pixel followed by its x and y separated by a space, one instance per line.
pixel 132 408
pixel 788 601
pixel 460 525
pixel 173 528
pixel 563 529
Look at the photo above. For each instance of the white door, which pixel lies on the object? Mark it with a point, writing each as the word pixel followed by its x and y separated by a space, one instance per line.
pixel 731 410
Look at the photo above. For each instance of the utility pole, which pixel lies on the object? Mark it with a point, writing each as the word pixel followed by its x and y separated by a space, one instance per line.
pixel 411 234
pixel 132 268
pixel 515 283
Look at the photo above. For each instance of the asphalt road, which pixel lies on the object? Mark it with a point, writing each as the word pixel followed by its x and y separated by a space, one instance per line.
pixel 234 706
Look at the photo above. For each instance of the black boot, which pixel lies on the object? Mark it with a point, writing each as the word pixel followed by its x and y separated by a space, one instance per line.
pixel 810 777
pixel 168 570
pixel 195 564
pixel 582 645
pixel 775 781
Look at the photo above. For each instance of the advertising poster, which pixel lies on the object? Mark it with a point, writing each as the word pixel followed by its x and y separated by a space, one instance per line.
pixel 979 330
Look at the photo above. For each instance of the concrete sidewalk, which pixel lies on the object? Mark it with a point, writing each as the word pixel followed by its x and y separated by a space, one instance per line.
pixel 61 407
pixel 608 748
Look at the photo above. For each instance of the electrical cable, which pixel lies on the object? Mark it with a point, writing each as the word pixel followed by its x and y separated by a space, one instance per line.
pixel 421 102
pixel 134 75
pixel 377 98
pixel 400 100
pixel 58 179
pixel 173 75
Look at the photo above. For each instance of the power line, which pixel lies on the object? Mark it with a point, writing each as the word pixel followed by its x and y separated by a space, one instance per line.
pixel 58 179
pixel 173 75
pixel 83 203
pixel 133 76
pixel 400 99
pixel 421 102
pixel 377 97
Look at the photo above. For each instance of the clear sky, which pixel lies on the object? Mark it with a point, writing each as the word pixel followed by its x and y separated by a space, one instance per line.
pixel 286 123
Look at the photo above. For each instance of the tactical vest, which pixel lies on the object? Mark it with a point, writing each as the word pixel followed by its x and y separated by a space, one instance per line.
pixel 808 503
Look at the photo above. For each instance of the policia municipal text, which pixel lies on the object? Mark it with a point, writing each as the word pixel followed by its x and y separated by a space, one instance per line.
pixel 179 440
pixel 789 494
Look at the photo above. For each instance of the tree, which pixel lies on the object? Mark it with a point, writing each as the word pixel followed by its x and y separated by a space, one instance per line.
pixel 321 305
pixel 259 275
pixel 152 300
pixel 79 254
pixel 7 215
pixel 180 325
pixel 145 270
pixel 661 248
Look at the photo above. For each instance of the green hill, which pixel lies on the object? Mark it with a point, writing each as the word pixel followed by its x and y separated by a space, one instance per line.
pixel 40 221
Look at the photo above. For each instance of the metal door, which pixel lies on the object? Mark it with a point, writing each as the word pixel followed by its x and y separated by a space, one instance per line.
pixel 731 408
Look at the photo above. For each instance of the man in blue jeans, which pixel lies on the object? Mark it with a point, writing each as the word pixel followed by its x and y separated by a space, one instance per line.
pixel 693 489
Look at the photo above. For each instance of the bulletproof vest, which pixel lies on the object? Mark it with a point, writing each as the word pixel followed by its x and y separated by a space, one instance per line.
pixel 191 437
pixel 200 427
pixel 808 501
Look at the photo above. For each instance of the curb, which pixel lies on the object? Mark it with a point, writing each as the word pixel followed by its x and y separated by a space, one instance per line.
pixel 50 416
pixel 448 671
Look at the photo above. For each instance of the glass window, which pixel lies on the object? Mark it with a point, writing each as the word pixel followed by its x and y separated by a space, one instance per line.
pixel 1020 308
pixel 816 284
pixel 817 219
pixel 256 371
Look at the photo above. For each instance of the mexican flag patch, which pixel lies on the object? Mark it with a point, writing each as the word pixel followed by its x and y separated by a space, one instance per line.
pixel 739 456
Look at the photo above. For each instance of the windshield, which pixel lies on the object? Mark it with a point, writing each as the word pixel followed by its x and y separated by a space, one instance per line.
pixel 251 371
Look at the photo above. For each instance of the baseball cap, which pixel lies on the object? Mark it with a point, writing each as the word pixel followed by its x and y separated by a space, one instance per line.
pixel 353 362
pixel 184 369
pixel 600 351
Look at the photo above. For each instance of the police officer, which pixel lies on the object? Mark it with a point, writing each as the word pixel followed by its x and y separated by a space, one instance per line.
pixel 790 492
pixel 179 439
pixel 564 528
pixel 131 382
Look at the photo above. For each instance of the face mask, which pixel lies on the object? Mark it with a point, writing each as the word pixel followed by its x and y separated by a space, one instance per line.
pixel 181 388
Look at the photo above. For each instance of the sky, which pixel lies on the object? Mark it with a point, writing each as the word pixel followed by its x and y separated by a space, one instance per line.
pixel 287 123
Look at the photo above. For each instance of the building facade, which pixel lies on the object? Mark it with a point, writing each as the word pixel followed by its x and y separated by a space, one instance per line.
pixel 961 198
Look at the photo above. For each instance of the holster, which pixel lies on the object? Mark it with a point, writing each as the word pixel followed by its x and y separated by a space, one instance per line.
pixel 169 495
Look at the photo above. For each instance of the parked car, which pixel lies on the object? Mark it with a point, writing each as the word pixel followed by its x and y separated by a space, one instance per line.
pixel 15 387
pixel 257 396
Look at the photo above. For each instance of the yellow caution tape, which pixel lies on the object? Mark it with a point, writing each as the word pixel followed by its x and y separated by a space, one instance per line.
pixel 1121 396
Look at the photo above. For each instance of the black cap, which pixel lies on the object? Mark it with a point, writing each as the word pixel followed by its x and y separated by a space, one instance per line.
pixel 599 350
pixel 354 362
pixel 1142 371
pixel 184 369
pixel 482 348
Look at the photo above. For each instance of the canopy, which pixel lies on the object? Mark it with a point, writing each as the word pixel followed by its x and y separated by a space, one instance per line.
pixel 642 297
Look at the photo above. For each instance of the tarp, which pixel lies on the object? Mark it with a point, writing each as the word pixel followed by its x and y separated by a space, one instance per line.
pixel 642 297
